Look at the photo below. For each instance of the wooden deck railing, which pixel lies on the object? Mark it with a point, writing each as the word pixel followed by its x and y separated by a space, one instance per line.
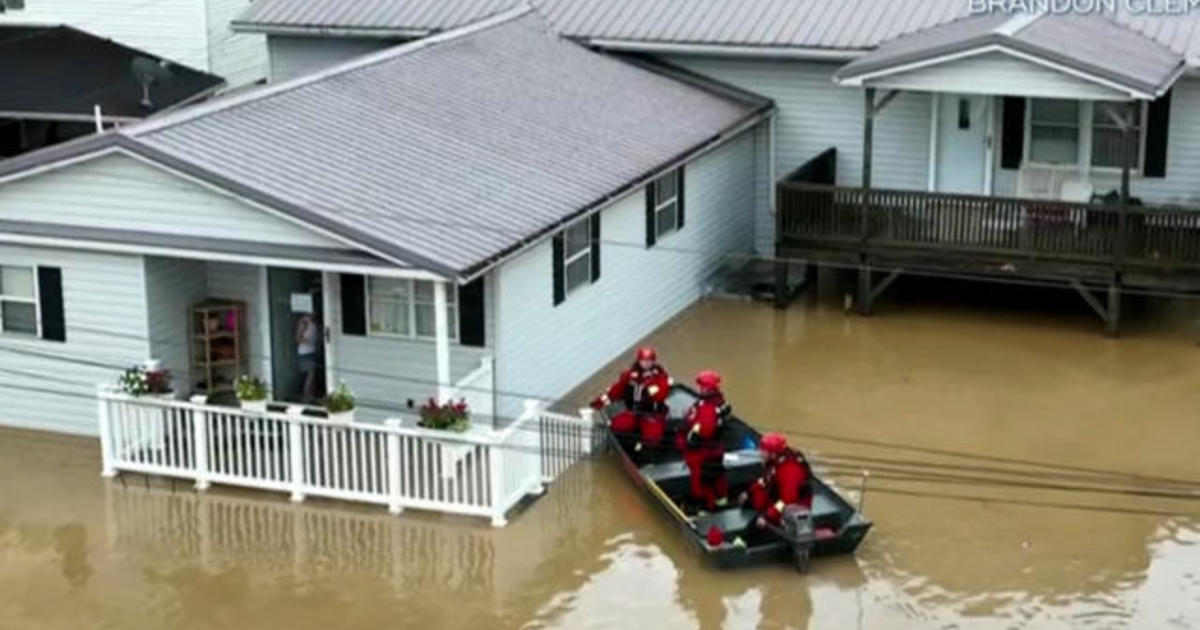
pixel 815 215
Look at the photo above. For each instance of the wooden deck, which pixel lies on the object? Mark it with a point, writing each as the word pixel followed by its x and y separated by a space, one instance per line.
pixel 1086 245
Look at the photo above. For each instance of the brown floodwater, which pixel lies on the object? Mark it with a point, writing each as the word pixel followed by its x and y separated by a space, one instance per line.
pixel 1027 472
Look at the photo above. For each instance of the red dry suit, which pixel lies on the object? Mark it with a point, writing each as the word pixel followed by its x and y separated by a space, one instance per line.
pixel 644 393
pixel 700 441
pixel 786 481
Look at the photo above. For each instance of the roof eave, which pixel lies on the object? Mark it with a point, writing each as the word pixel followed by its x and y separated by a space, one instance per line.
pixel 755 117
pixel 725 50
pixel 316 30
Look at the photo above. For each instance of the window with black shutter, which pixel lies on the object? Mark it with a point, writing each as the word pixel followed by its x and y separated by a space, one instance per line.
pixel 664 206
pixel 576 254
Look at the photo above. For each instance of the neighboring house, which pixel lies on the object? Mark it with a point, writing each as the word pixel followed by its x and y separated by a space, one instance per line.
pixel 58 75
pixel 494 195
pixel 193 33
pixel 1018 107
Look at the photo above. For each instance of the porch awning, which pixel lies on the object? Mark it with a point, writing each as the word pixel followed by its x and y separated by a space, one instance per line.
pixel 1055 56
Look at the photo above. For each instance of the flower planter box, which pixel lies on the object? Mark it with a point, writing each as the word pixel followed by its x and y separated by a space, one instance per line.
pixel 257 406
pixel 342 417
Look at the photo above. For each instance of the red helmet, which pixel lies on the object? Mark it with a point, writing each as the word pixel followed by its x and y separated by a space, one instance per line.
pixel 708 379
pixel 646 353
pixel 773 444
pixel 715 536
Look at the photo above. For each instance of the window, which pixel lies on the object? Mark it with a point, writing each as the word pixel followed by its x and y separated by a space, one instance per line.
pixel 1054 131
pixel 577 255
pixel 666 191
pixel 11 5
pixel 404 308
pixel 1081 133
pixel 1107 135
pixel 18 301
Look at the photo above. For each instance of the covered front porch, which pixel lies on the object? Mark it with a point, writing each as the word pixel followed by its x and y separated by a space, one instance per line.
pixel 394 337
pixel 1035 145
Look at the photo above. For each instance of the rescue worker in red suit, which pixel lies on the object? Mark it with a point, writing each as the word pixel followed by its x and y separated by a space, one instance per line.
pixel 786 480
pixel 643 388
pixel 700 441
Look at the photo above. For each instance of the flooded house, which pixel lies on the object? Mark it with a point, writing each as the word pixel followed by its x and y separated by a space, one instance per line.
pixel 474 210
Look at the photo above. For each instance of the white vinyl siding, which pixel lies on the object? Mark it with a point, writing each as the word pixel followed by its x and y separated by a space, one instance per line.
pixel 815 114
pixel 545 350
pixel 386 372
pixel 121 193
pixel 52 385
pixel 239 58
pixel 291 57
pixel 402 307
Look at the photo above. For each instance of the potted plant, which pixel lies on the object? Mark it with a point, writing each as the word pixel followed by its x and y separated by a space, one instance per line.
pixel 340 404
pixel 252 392
pixel 148 379
pixel 448 416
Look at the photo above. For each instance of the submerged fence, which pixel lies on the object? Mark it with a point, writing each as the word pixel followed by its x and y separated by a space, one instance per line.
pixel 481 473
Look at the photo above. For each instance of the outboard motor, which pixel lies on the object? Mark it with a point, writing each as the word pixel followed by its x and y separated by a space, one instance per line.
pixel 798 526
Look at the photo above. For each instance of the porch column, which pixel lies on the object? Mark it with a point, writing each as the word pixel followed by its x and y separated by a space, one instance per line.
pixel 441 322
pixel 864 270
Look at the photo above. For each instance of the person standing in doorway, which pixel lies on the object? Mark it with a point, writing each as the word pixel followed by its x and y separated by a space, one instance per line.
pixel 306 355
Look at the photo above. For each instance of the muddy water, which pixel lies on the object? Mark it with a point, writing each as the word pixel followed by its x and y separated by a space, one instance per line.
pixel 1026 472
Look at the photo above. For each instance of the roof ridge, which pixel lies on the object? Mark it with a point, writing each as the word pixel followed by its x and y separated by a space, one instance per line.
pixel 1018 23
pixel 250 96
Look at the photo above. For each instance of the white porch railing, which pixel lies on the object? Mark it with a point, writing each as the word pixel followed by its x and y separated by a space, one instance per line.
pixel 481 473
pixel 476 389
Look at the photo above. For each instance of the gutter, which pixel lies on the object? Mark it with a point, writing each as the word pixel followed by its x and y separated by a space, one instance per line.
pixel 723 50
pixel 764 112
pixel 365 32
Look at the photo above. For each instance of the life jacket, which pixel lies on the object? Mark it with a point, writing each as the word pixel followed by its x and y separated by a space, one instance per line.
pixel 644 390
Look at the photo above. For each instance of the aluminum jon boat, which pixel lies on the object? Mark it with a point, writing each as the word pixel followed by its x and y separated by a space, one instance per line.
pixel 836 526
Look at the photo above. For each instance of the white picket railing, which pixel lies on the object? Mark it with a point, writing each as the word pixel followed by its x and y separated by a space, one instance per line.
pixel 480 473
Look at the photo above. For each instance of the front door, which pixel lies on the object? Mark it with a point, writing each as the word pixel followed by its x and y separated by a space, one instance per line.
pixel 297 335
pixel 964 144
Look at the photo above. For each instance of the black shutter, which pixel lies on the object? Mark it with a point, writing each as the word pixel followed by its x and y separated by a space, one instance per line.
pixel 651 224
pixel 50 303
pixel 1012 138
pixel 470 314
pixel 595 246
pixel 1158 121
pixel 560 283
pixel 679 191
pixel 354 304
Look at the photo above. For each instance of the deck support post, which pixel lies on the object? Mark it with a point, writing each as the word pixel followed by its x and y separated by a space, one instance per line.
pixel 862 302
pixel 782 294
pixel 1113 323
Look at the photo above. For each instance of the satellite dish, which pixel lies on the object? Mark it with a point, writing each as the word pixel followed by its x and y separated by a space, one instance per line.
pixel 149 72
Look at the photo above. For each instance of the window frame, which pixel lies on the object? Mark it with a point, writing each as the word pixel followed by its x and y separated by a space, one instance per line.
pixel 410 305
pixel 582 254
pixel 660 206
pixel 36 301
pixel 1086 133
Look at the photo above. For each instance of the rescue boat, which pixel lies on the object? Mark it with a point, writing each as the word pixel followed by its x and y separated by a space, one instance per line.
pixel 833 526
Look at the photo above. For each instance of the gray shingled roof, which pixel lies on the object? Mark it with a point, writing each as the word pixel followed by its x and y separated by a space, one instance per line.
pixel 446 153
pixel 1084 43
pixel 853 25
